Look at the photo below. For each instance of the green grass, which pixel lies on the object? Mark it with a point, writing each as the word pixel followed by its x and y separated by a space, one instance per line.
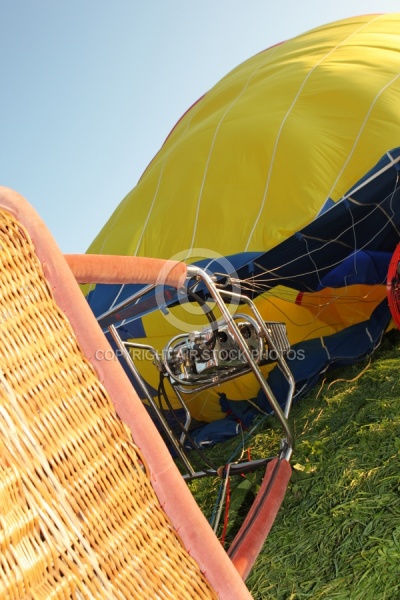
pixel 337 534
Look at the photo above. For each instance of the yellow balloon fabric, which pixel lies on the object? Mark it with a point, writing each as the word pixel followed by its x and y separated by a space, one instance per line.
pixel 257 158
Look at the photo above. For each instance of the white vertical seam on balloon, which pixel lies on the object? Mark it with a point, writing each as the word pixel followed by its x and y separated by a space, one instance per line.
pixel 142 234
pixel 151 207
pixel 375 100
pixel 212 146
pixel 284 121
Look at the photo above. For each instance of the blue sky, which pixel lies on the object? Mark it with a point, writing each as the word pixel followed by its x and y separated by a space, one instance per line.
pixel 91 88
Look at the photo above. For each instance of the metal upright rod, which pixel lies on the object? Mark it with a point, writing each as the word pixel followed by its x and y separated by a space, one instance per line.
pixel 199 273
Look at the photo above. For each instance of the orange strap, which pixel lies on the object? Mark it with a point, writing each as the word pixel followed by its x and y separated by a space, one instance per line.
pixel 102 268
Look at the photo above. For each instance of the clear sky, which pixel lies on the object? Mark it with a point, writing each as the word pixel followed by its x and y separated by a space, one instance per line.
pixel 91 88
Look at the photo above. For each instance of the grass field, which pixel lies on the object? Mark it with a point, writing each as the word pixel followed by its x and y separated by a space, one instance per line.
pixel 337 534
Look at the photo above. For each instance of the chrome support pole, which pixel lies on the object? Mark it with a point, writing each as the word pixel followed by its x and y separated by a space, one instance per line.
pixel 160 416
pixel 217 296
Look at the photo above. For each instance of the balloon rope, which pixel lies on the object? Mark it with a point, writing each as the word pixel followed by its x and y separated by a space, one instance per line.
pixel 257 283
pixel 273 273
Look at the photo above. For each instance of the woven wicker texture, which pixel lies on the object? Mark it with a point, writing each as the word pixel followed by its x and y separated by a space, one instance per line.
pixel 78 515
